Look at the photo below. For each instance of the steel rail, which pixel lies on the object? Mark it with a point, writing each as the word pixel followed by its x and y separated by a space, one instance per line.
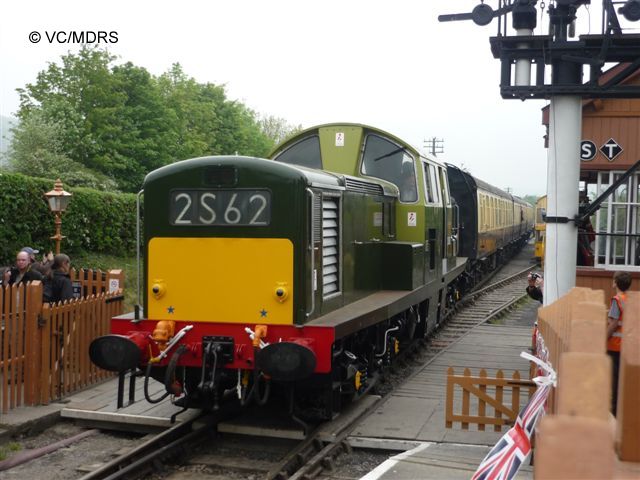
pixel 500 283
pixel 161 445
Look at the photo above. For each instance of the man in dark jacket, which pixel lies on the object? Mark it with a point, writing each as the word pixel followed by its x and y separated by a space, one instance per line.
pixel 534 287
pixel 43 266
pixel 22 272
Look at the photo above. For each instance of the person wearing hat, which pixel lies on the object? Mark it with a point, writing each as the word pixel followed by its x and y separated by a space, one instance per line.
pixel 32 253
pixel 42 267
pixel 22 272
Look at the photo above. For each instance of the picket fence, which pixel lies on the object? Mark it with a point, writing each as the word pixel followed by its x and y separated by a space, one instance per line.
pixel 44 348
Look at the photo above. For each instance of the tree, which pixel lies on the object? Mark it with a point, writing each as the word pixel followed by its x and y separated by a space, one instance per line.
pixel 122 122
pixel 194 113
pixel 81 97
pixel 207 123
pixel 532 199
pixel 277 129
pixel 36 146
pixel 37 150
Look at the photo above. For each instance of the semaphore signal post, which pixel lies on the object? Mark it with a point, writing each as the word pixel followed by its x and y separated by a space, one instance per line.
pixel 570 60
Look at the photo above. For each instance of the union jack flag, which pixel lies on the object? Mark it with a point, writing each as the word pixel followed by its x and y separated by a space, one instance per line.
pixel 506 457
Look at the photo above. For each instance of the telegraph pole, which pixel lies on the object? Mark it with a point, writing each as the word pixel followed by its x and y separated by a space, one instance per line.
pixel 567 60
pixel 434 145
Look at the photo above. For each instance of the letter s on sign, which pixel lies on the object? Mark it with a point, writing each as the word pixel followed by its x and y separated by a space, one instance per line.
pixel 587 150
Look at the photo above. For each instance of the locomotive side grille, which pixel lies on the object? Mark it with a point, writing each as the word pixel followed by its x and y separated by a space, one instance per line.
pixel 317 218
pixel 330 245
pixel 354 185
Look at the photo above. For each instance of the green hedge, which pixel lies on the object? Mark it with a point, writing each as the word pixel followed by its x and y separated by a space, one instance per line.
pixel 95 221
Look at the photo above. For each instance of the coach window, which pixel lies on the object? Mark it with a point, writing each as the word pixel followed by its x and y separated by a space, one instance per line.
pixel 389 161
pixel 305 153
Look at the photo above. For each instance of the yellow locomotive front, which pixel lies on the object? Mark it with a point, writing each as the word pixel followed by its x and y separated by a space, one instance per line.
pixel 227 280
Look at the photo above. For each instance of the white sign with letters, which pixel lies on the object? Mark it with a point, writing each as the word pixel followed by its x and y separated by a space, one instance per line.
pixel 412 219
pixel 611 149
pixel 588 150
pixel 339 139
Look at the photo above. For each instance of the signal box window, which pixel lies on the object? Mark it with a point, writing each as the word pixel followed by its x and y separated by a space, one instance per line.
pixel 616 242
pixel 305 153
pixel 389 161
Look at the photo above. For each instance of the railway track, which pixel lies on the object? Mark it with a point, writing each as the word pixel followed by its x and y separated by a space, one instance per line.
pixel 196 446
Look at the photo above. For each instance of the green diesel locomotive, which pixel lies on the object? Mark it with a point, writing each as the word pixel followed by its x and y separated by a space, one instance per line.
pixel 302 275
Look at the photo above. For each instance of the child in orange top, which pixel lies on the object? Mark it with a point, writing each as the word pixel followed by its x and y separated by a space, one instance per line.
pixel 621 283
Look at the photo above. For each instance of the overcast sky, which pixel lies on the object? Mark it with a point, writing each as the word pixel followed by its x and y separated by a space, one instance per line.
pixel 386 63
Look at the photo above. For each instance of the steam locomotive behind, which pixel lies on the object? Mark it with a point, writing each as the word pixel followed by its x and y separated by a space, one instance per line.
pixel 304 275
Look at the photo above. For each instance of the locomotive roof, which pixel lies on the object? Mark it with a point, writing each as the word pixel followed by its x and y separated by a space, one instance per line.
pixel 476 184
pixel 313 176
pixel 303 133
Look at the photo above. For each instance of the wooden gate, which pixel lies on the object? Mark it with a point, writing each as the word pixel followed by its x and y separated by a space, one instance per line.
pixel 485 400
pixel 67 329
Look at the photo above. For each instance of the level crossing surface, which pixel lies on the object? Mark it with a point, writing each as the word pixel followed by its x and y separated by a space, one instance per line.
pixel 414 414
pixel 97 407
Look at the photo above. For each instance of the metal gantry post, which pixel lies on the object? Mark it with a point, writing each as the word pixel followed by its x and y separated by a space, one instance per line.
pixel 563 176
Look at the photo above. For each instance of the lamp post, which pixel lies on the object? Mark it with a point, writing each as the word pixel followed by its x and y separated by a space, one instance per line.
pixel 58 201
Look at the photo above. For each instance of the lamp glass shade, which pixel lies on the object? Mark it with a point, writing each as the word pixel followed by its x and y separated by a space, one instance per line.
pixel 58 203
pixel 58 199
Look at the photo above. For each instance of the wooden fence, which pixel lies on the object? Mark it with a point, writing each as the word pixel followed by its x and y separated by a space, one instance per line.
pixel 578 437
pixel 485 400
pixel 44 348
pixel 94 282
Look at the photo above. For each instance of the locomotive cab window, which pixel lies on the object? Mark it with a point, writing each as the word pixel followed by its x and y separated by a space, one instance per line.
pixel 390 161
pixel 445 186
pixel 434 183
pixel 428 188
pixel 305 153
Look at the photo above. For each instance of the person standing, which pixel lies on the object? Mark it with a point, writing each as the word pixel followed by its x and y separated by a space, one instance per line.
pixel 22 272
pixel 621 283
pixel 43 266
pixel 57 283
